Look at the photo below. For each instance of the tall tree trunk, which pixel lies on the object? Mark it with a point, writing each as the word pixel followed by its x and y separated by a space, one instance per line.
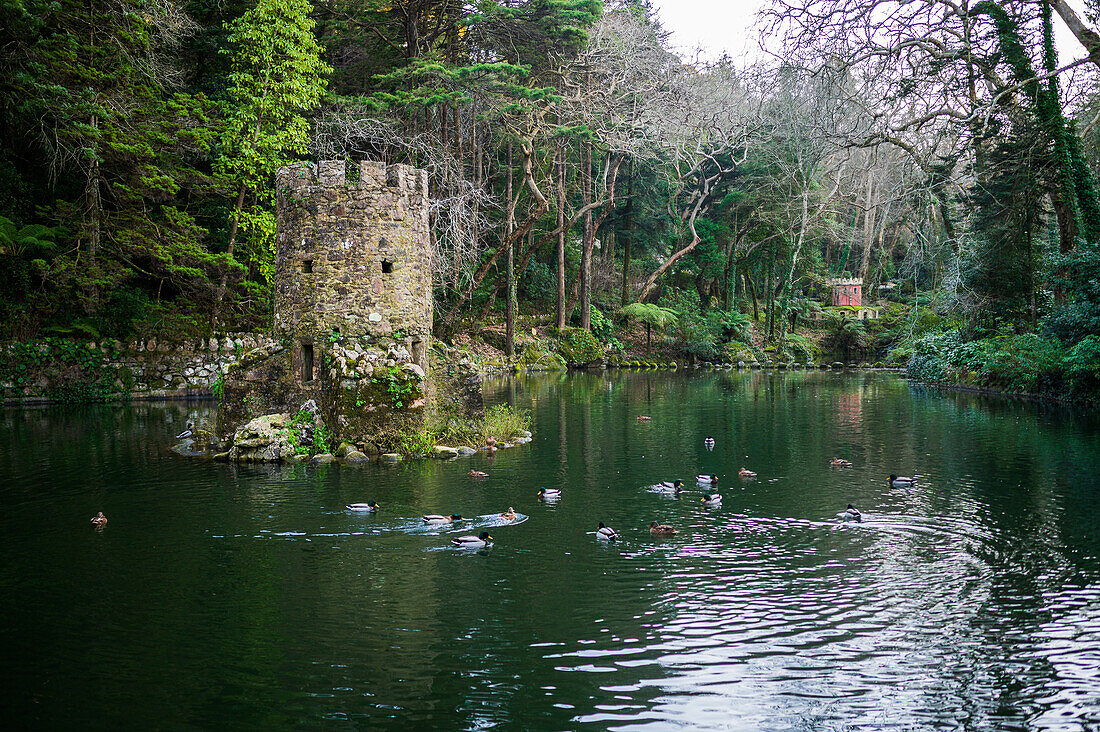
pixel 868 225
pixel 589 239
pixel 755 303
pixel 769 316
pixel 510 306
pixel 561 237
pixel 628 231
pixel 93 199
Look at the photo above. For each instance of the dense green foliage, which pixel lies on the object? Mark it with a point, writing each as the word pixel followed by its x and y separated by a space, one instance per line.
pixel 1025 362
pixel 582 174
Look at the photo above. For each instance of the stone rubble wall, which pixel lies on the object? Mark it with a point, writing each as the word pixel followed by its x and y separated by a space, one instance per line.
pixel 160 369
pixel 153 369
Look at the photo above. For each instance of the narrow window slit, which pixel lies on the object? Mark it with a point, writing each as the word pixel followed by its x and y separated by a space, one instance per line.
pixel 307 363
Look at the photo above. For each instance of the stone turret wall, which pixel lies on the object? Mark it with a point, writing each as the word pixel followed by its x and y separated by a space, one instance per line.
pixel 353 305
pixel 354 254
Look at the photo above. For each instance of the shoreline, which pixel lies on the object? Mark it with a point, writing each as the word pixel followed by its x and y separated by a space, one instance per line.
pixel 201 394
pixel 1026 396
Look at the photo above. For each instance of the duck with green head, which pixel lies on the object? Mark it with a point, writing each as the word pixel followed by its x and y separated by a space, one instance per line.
pixel 435 518
pixel 473 542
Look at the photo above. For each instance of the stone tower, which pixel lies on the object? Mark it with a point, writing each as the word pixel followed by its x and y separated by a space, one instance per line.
pixel 353 304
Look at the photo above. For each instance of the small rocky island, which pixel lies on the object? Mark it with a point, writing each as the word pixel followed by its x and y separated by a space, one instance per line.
pixel 349 372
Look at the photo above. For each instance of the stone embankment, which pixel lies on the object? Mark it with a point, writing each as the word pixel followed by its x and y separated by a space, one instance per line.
pixel 121 370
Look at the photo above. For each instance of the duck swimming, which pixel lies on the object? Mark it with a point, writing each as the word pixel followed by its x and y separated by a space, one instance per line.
pixel 435 518
pixel 369 507
pixel 606 533
pixel 707 479
pixel 677 486
pixel 643 418
pixel 746 473
pixel 712 499
pixel 549 493
pixel 661 529
pixel 901 481
pixel 99 519
pixel 473 542
pixel 851 513
pixel 509 515
pixel 709 443
pixel 840 463
pixel 477 474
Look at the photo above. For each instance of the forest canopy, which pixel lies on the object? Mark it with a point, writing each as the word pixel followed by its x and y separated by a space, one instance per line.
pixel 939 152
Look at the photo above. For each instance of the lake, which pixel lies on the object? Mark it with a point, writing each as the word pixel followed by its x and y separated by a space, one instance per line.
pixel 224 596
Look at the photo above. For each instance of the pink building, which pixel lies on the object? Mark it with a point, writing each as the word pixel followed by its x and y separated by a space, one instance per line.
pixel 847 292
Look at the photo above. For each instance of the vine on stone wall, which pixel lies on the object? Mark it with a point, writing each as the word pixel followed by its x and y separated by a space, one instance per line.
pixel 71 371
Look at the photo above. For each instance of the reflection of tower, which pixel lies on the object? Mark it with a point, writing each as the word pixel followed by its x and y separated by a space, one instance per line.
pixel 849 411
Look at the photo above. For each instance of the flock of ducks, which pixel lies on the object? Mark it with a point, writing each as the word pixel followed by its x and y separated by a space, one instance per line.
pixel 439 519
pixel 603 532
pixel 711 498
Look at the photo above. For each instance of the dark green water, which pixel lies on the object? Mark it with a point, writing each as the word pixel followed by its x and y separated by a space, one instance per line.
pixel 221 596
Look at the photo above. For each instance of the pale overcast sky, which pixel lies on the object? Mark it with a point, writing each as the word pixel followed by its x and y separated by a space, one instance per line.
pixel 719 26
pixel 716 26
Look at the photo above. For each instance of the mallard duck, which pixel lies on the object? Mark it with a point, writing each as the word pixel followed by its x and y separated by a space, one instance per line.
pixel 477 474
pixel 707 479
pixel 606 533
pixel 851 513
pixel 549 493
pixel 369 507
pixel 840 463
pixel 186 433
pixel 709 443
pixel 901 481
pixel 99 519
pixel 643 418
pixel 509 515
pixel 435 518
pixel 661 529
pixel 712 499
pixel 676 486
pixel 473 542
pixel 746 473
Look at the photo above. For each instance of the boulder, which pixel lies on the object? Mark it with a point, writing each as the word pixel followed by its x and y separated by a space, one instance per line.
pixel 443 452
pixel 265 439
pixel 354 456
pixel 323 459
pixel 466 451
pixel 390 457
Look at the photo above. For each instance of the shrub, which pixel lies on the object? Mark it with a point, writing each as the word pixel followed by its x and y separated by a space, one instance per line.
pixel 1082 364
pixel 602 327
pixel 577 345
pixel 504 421
pixel 1007 360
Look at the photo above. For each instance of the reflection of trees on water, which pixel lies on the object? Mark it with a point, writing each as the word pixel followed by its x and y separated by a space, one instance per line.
pixel 381 620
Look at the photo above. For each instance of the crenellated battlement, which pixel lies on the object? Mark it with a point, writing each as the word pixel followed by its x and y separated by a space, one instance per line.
pixel 353 256
pixel 367 175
